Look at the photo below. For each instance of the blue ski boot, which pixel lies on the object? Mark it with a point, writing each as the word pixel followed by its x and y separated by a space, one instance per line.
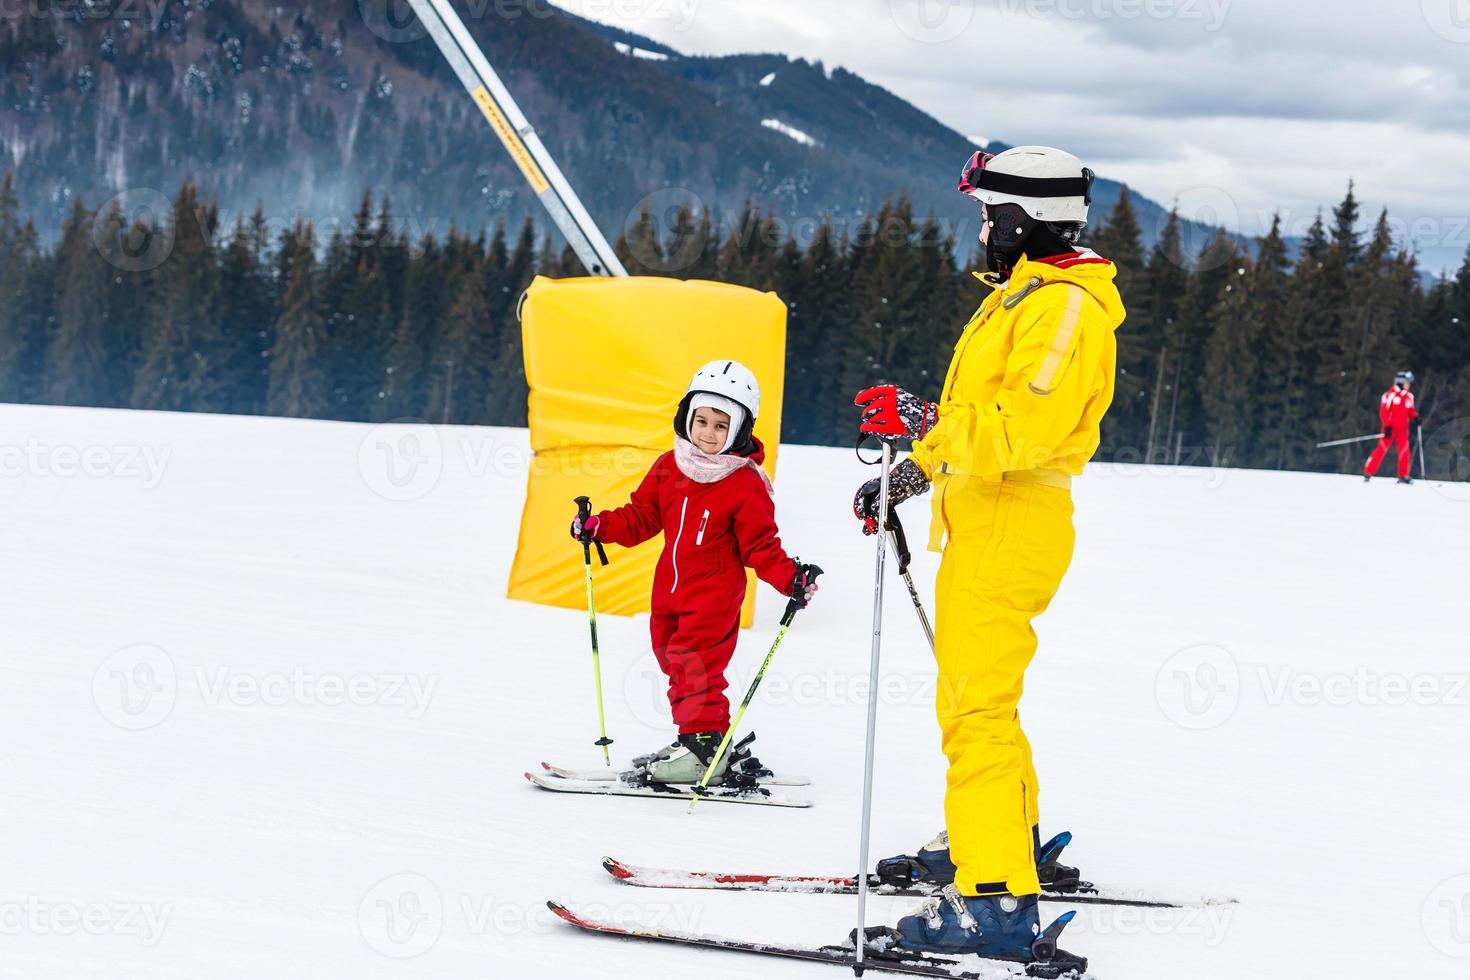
pixel 1001 927
pixel 932 864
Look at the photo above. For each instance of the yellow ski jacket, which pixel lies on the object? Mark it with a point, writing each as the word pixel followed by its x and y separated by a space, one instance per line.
pixel 1030 379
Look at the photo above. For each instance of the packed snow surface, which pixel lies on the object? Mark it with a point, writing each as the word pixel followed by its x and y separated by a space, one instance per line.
pixel 265 711
pixel 791 131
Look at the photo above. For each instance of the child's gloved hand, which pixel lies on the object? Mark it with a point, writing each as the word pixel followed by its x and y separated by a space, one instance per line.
pixel 906 481
pixel 585 531
pixel 804 584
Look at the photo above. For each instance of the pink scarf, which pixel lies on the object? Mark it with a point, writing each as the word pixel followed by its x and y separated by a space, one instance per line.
pixel 701 467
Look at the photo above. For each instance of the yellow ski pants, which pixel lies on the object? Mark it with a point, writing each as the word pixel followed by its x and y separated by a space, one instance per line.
pixel 1010 542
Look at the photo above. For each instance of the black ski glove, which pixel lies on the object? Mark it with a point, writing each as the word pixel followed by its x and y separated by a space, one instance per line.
pixel 906 481
pixel 804 584
pixel 1387 432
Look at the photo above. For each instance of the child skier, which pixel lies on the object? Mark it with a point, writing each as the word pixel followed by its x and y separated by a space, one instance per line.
pixel 713 503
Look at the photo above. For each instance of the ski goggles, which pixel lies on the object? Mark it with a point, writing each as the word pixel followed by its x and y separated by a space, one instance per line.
pixel 970 176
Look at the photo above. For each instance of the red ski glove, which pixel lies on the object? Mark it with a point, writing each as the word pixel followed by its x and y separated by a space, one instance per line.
pixel 891 411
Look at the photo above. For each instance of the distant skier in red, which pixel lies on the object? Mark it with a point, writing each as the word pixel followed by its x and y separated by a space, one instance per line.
pixel 1396 411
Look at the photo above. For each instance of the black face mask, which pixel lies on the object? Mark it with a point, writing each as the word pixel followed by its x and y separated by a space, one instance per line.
pixel 1014 233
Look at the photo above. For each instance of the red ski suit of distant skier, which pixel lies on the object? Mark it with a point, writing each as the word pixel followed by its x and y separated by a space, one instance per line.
pixel 712 532
pixel 1395 411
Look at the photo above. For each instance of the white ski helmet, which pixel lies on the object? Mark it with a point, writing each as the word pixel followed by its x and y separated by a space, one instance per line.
pixel 728 381
pixel 733 380
pixel 1050 185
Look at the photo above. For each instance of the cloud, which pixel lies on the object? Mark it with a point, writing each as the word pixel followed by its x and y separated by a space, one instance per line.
pixel 1278 104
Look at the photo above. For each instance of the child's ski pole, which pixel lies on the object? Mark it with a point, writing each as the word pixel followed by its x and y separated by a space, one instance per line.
pixel 902 555
pixel 584 511
pixel 786 618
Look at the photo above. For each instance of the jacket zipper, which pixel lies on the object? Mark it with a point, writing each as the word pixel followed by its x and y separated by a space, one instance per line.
pixel 703 522
pixel 682 508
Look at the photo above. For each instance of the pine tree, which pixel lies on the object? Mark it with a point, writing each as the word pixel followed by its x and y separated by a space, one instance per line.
pixel 1152 322
pixel 181 342
pixel 1279 351
pixel 1230 382
pixel 1216 264
pixel 297 387
pixel 79 370
pixel 1120 240
pixel 26 297
pixel 406 383
pixel 244 311
pixel 461 366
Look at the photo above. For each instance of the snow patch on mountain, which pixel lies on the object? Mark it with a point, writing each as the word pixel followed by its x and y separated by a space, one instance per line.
pixel 804 139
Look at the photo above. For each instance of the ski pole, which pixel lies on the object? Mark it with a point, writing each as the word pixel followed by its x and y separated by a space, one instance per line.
pixel 584 511
pixel 903 557
pixel 1344 442
pixel 1419 431
pixel 786 618
pixel 860 935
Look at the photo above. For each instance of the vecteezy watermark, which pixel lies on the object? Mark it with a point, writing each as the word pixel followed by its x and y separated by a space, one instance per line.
pixel 298 686
pixel 405 460
pixel 136 687
pixel 1450 19
pixel 405 914
pixel 139 11
pixel 1208 922
pixel 1210 13
pixel 34 916
pixel 1199 687
pixel 1204 213
pixel 1445 917
pixel 401 916
pixel 680 12
pixel 645 688
pixel 1361 686
pixel 64 461
pixel 932 21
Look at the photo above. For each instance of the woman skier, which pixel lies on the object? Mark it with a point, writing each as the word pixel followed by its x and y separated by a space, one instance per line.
pixel 1029 382
pixel 1396 412
pixel 713 503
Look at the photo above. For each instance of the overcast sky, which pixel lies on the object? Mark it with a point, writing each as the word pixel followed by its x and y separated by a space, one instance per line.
pixel 1232 108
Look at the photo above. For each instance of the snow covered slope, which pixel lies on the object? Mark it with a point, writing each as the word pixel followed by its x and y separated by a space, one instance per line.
pixel 264 712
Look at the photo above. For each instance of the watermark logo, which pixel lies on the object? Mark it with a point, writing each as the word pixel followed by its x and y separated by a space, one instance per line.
pixel 668 248
pixel 401 916
pixel 1203 212
pixel 1446 917
pixel 136 687
pixel 401 460
pixel 392 20
pixel 133 231
pixel 1198 688
pixel 1450 19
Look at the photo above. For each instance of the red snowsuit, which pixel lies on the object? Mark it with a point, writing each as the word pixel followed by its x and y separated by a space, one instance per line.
pixel 1395 411
pixel 712 531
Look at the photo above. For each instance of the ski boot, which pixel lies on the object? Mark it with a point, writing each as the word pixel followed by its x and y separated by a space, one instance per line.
pixel 1405 480
pixel 644 761
pixel 1002 927
pixel 932 864
pixel 688 760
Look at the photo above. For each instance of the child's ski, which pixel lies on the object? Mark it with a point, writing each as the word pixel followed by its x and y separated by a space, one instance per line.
pixel 757 795
pixel 611 775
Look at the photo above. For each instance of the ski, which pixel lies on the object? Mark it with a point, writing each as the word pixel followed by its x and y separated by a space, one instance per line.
pixel 875 959
pixel 611 775
pixel 847 885
pixel 756 795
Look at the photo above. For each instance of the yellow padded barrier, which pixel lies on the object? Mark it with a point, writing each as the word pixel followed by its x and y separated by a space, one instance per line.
pixel 607 361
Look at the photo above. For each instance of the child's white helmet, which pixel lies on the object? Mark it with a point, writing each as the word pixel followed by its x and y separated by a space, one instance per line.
pixel 731 379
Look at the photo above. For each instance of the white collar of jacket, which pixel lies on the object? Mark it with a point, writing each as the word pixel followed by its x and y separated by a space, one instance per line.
pixel 701 467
